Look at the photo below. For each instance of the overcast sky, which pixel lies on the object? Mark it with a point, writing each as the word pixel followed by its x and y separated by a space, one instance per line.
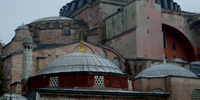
pixel 15 12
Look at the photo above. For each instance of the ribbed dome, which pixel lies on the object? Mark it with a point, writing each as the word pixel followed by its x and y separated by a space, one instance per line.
pixel 54 18
pixel 22 27
pixel 164 70
pixel 76 62
pixel 28 40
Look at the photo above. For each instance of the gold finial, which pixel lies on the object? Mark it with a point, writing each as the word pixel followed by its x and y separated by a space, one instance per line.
pixel 82 49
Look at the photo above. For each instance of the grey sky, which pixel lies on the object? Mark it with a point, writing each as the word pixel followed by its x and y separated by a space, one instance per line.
pixel 15 12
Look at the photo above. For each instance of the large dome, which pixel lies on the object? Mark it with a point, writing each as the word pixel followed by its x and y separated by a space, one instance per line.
pixel 54 18
pixel 77 62
pixel 164 70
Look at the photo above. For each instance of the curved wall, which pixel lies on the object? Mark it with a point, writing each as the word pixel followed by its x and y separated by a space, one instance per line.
pixel 82 80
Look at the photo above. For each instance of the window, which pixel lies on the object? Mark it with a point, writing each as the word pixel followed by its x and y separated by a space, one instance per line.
pixel 158 90
pixel 116 62
pixel 53 82
pixel 47 26
pixel 196 94
pixel 174 46
pixel 66 31
pixel 99 81
pixel 56 25
pixel 130 85
pixel 104 54
pixel 165 42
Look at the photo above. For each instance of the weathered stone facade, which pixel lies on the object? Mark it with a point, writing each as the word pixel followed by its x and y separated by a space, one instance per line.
pixel 180 88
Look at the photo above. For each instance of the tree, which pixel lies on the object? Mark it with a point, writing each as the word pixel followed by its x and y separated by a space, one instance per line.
pixel 2 84
pixel 3 80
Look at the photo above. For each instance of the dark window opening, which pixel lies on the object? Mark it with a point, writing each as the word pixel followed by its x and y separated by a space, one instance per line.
pixel 66 31
pixel 174 46
pixel 165 42
pixel 47 26
pixel 118 9
pixel 174 56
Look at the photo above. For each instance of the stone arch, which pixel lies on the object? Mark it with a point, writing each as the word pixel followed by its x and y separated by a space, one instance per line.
pixel 88 48
pixel 183 43
pixel 194 24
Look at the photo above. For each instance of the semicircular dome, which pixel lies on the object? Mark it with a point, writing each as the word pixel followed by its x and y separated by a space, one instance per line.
pixel 76 62
pixel 164 70
pixel 54 18
pixel 22 27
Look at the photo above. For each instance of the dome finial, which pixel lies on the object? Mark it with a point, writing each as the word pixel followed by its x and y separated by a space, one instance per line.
pixel 164 59
pixel 82 49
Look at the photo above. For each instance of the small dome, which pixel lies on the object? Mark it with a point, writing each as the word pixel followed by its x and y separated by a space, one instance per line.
pixel 164 70
pixel 54 18
pixel 78 61
pixel 28 40
pixel 22 27
pixel 13 97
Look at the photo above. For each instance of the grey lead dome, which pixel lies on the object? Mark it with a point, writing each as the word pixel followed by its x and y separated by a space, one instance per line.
pixel 22 27
pixel 164 70
pixel 54 18
pixel 77 61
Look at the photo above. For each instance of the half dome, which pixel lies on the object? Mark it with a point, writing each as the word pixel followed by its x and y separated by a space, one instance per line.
pixel 22 27
pixel 80 62
pixel 164 70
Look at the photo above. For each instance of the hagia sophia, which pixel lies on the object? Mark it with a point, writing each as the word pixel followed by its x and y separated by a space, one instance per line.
pixel 107 50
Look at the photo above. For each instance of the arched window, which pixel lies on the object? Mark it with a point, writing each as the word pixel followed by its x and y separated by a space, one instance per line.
pixel 116 62
pixel 196 94
pixel 158 90
pixel 66 31
pixel 104 54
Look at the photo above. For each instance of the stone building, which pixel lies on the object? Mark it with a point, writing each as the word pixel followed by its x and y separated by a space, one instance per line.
pixel 133 34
